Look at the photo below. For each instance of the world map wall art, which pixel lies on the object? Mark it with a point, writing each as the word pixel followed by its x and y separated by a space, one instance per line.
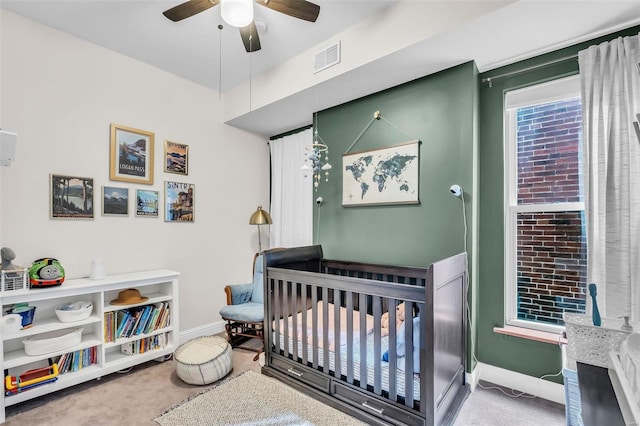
pixel 381 176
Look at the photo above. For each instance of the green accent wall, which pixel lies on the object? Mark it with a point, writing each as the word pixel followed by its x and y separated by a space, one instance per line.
pixel 439 110
pixel 512 353
pixel 458 120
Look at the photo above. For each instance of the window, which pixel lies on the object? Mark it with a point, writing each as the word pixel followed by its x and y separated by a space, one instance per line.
pixel 545 235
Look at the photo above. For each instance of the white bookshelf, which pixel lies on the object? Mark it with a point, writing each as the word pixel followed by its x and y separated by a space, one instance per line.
pixel 158 285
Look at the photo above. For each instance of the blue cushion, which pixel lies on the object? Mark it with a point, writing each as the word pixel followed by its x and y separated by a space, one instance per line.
pixel 247 312
pixel 257 296
pixel 240 293
pixel 401 347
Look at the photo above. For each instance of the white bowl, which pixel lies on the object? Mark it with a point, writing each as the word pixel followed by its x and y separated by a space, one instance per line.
pixel 72 312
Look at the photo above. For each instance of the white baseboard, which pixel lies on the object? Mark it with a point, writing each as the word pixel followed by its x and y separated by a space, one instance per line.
pixel 472 378
pixel 520 382
pixel 204 330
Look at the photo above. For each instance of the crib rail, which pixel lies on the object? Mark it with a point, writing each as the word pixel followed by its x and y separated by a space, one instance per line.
pixel 323 331
pixel 395 274
pixel 331 336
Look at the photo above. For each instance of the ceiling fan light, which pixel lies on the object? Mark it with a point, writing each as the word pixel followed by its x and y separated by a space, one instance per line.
pixel 237 13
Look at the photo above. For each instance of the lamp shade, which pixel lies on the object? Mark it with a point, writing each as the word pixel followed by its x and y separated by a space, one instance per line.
pixel 260 217
pixel 237 13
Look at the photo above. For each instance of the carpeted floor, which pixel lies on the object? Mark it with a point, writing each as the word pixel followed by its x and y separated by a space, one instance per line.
pixel 492 405
pixel 254 399
pixel 142 394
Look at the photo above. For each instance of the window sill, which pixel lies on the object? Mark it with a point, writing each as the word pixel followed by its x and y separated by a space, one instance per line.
pixel 529 334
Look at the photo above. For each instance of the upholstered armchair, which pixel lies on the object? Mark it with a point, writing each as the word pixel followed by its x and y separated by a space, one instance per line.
pixel 244 312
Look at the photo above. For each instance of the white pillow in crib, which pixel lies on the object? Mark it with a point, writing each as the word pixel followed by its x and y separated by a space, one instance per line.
pixel 401 346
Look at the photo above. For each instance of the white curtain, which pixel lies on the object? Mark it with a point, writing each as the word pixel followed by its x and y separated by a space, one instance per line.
pixel 291 192
pixel 610 80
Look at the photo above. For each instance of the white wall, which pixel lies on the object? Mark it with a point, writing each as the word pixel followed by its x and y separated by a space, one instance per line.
pixel 60 94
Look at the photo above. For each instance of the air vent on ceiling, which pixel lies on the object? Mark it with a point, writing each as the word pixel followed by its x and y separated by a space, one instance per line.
pixel 327 57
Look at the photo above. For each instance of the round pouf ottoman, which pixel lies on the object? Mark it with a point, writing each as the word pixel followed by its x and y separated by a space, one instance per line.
pixel 203 360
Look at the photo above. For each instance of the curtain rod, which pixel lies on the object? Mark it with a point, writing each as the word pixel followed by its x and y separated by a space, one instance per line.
pixel 291 132
pixel 531 68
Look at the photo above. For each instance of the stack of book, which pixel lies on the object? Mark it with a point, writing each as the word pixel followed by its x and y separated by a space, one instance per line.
pixel 140 346
pixel 75 361
pixel 139 320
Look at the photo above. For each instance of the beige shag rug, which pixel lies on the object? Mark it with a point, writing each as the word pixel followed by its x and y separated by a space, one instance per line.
pixel 253 399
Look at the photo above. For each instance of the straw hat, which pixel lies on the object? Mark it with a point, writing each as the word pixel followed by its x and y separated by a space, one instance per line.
pixel 129 297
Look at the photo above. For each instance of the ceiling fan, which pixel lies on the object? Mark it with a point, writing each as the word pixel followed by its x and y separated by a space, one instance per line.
pixel 300 9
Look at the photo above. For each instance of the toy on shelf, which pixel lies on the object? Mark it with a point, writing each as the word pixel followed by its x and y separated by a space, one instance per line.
pixel 12 276
pixel 30 379
pixel 7 256
pixel 46 272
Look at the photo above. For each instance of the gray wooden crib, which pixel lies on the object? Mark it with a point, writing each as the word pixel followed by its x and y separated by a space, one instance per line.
pixel 324 334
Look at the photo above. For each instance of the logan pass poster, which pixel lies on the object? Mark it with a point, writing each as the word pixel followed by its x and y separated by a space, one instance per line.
pixel 131 155
pixel 382 176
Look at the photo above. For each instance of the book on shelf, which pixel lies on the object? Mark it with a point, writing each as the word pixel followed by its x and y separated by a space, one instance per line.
pixel 106 330
pixel 131 322
pixel 144 344
pixel 122 317
pixel 75 361
pixel 164 319
pixel 162 311
pixel 135 315
pixel 151 325
pixel 109 327
pixel 113 324
pixel 144 318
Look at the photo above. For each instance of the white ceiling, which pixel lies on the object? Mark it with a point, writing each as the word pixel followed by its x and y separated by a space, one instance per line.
pixel 196 50
pixel 193 47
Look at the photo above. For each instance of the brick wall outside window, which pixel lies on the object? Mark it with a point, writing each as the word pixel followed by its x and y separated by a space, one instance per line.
pixel 551 246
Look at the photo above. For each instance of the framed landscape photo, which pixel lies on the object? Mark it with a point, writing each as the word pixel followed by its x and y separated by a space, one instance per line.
pixel 70 197
pixel 179 202
pixel 115 201
pixel 176 158
pixel 147 204
pixel 131 155
pixel 381 176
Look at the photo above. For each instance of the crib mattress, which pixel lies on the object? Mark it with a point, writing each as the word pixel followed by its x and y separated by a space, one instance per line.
pixel 370 362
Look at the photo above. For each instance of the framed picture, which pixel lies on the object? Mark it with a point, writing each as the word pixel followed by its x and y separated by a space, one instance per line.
pixel 381 176
pixel 147 203
pixel 176 158
pixel 71 197
pixel 131 155
pixel 115 201
pixel 178 202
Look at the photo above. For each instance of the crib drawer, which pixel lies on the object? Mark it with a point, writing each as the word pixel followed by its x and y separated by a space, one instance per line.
pixel 301 373
pixel 377 407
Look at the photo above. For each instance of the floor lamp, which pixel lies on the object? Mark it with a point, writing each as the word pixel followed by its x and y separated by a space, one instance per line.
pixel 260 217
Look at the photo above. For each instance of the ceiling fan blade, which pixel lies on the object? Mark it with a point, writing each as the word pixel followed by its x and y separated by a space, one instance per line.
pixel 187 9
pixel 250 37
pixel 300 9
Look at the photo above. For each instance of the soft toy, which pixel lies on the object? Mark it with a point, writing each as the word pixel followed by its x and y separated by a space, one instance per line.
pixel 46 272
pixel 384 319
